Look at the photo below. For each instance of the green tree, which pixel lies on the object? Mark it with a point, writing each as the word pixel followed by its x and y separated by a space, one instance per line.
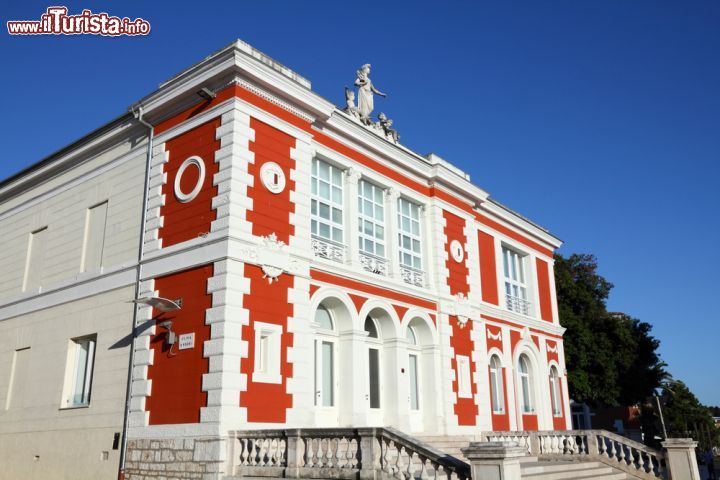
pixel 611 357
pixel 685 416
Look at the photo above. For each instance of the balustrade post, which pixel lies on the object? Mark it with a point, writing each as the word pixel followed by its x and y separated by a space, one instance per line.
pixel 295 452
pixel 591 440
pixel 680 458
pixel 534 442
pixel 495 460
pixel 369 455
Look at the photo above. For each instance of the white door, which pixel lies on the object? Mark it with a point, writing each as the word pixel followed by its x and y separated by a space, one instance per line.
pixel 373 394
pixel 325 383
pixel 414 398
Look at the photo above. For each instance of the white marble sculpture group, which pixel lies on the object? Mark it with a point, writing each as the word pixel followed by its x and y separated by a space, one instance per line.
pixel 365 105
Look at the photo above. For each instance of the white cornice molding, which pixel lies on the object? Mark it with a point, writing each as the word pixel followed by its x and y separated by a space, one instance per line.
pixel 233 61
pixel 511 220
pixel 79 154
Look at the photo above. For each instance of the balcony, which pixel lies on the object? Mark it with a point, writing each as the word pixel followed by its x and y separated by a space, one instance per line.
pixel 413 276
pixel 324 248
pixel 517 304
pixel 374 264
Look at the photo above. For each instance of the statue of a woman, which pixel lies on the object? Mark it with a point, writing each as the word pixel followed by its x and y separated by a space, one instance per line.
pixel 365 93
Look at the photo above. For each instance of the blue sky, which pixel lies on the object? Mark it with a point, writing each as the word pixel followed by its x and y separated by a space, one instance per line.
pixel 598 119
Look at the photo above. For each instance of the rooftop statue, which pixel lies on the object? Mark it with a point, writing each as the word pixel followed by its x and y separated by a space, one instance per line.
pixel 386 126
pixel 365 93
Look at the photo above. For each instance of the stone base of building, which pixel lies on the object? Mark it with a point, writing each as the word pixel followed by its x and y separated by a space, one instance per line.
pixel 175 458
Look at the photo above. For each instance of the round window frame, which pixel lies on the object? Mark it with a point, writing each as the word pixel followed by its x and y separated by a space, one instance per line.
pixel 456 247
pixel 181 196
pixel 274 168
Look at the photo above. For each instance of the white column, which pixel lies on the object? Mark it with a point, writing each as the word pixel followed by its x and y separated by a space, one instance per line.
pixel 396 407
pixel 352 177
pixel 391 230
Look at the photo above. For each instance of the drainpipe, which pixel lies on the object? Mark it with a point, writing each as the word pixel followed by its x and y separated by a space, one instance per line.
pixel 141 249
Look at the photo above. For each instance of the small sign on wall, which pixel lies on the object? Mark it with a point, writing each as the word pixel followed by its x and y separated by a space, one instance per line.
pixel 187 340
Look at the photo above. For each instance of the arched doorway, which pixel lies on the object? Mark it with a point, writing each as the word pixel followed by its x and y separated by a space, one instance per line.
pixel 420 375
pixel 332 390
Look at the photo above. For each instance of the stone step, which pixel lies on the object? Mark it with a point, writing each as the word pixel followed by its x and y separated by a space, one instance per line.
pixel 598 473
pixel 547 467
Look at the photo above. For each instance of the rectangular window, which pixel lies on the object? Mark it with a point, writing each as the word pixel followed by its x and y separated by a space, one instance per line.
pixel 374 374
pixel 326 204
pixel 35 263
pixel 94 240
pixel 515 286
pixel 324 373
pixel 414 387
pixel 496 388
pixel 463 376
pixel 81 358
pixel 371 222
pixel 19 375
pixel 409 239
pixel 266 368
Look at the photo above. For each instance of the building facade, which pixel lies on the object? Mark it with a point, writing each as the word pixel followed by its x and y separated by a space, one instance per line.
pixel 292 267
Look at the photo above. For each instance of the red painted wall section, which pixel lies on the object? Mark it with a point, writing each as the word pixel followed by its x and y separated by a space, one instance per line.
pixel 515 337
pixel 501 421
pixel 271 212
pixel 358 301
pixel 494 338
pixel 176 395
pixel 319 276
pixel 457 272
pixel 465 409
pixel 552 355
pixel 559 423
pixel 530 422
pixel 543 273
pixel 267 303
pixel 488 271
pixel 185 221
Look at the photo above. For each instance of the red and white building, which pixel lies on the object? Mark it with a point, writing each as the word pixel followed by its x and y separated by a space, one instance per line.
pixel 325 277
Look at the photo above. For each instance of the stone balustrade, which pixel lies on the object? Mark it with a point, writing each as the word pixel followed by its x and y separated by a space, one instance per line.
pixel 342 453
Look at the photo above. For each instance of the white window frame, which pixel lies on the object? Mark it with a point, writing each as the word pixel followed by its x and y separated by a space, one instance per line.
pixel 268 340
pixel 325 336
pixel 402 232
pixel 35 261
pixel 555 392
pixel 74 369
pixel 93 260
pixel 464 377
pixel 527 404
pixel 515 273
pixel 333 182
pixel 371 218
pixel 497 388
pixel 414 351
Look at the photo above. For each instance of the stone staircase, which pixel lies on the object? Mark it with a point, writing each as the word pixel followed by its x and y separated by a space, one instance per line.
pixel 531 467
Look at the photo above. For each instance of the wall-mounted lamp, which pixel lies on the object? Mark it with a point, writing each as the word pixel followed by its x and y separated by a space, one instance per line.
pixel 162 304
pixel 206 93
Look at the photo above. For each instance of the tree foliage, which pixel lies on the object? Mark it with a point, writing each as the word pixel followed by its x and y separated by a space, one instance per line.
pixel 685 416
pixel 611 357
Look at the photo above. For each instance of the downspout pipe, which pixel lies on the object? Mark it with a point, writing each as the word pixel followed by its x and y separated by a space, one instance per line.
pixel 138 114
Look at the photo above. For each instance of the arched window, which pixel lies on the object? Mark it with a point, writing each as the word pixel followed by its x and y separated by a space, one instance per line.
pixel 410 336
pixel 525 374
pixel 496 385
pixel 323 318
pixel 370 327
pixel 555 392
